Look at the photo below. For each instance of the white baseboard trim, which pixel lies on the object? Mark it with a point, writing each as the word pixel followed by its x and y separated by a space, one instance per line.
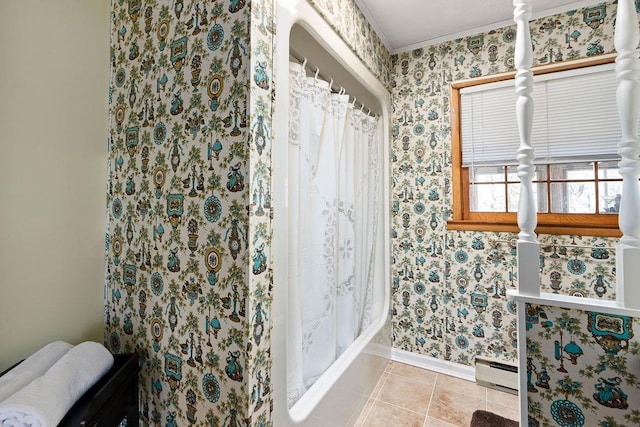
pixel 431 363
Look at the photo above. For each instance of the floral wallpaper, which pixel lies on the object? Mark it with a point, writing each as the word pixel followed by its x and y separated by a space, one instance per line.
pixel 260 273
pixel 449 287
pixel 188 283
pixel 578 368
pixel 348 21
pixel 188 279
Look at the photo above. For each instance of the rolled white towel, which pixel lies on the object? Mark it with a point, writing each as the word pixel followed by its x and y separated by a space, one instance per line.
pixel 46 400
pixel 32 367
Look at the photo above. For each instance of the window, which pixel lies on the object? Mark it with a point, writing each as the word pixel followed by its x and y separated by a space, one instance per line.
pixel 567 188
pixel 575 135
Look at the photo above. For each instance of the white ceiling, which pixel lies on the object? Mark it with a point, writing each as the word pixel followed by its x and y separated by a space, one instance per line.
pixel 408 24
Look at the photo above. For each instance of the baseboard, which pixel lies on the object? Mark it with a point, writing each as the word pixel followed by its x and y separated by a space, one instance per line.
pixel 437 365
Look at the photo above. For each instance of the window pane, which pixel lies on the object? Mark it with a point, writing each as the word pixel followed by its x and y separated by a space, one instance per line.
pixel 610 196
pixel 487 174
pixel 573 197
pixel 608 170
pixel 514 197
pixel 487 197
pixel 572 171
pixel 540 175
pixel 539 192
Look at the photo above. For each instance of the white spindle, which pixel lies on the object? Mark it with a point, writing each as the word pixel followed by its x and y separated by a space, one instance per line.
pixel 627 37
pixel 528 246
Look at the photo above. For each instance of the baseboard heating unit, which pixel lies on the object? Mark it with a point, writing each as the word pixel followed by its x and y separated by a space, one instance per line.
pixel 497 374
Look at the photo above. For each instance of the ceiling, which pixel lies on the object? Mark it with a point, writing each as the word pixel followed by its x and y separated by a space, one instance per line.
pixel 408 24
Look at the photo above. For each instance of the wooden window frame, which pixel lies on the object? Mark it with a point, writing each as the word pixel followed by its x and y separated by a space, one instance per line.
pixel 605 225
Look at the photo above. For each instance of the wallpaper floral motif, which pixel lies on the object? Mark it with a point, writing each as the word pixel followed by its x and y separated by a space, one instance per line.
pixel 260 273
pixel 188 283
pixel 449 287
pixel 189 221
pixel 348 21
pixel 189 273
pixel 578 368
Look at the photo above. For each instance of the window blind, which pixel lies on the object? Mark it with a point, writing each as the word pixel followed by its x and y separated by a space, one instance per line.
pixel 575 118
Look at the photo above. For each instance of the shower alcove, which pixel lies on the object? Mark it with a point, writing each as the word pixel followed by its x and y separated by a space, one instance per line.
pixel 339 394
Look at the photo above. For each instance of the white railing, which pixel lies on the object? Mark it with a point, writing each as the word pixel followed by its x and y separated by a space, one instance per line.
pixel 627 37
pixel 528 246
pixel 626 40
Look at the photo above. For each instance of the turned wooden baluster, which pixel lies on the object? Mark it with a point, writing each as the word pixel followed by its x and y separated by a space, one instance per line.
pixel 626 39
pixel 528 246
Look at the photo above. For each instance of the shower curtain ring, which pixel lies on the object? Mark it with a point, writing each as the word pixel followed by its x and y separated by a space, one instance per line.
pixel 341 90
pixel 353 104
pixel 304 62
pixel 317 72
pixel 330 84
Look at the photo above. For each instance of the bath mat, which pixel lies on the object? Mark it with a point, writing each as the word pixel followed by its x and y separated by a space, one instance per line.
pixel 482 418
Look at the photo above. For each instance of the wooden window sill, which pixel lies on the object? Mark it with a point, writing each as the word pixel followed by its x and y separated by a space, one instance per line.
pixel 601 230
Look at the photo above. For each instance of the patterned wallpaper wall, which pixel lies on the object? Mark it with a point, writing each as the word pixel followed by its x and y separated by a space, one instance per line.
pixel 188 248
pixel 580 368
pixel 259 269
pixel 189 274
pixel 449 287
pixel 188 283
pixel 347 20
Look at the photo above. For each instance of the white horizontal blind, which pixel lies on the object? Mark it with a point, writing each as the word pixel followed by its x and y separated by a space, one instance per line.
pixel 575 118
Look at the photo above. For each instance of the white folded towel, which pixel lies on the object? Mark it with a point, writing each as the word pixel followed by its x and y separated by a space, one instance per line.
pixel 31 368
pixel 46 400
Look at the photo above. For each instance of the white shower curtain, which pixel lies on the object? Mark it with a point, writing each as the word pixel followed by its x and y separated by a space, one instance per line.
pixel 333 210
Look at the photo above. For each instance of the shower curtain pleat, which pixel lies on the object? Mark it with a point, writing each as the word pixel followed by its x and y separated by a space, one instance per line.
pixel 332 215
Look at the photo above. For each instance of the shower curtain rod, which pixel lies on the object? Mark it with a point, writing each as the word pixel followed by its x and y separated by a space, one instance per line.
pixel 316 72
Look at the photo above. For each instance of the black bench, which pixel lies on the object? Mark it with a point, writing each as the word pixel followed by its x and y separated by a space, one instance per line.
pixel 112 399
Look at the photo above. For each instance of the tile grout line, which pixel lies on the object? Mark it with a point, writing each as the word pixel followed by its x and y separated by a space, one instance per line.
pixel 394 405
pixel 379 389
pixel 439 378
pixel 374 396
pixel 400 407
pixel 365 415
pixel 389 373
pixel 435 384
pixel 433 391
